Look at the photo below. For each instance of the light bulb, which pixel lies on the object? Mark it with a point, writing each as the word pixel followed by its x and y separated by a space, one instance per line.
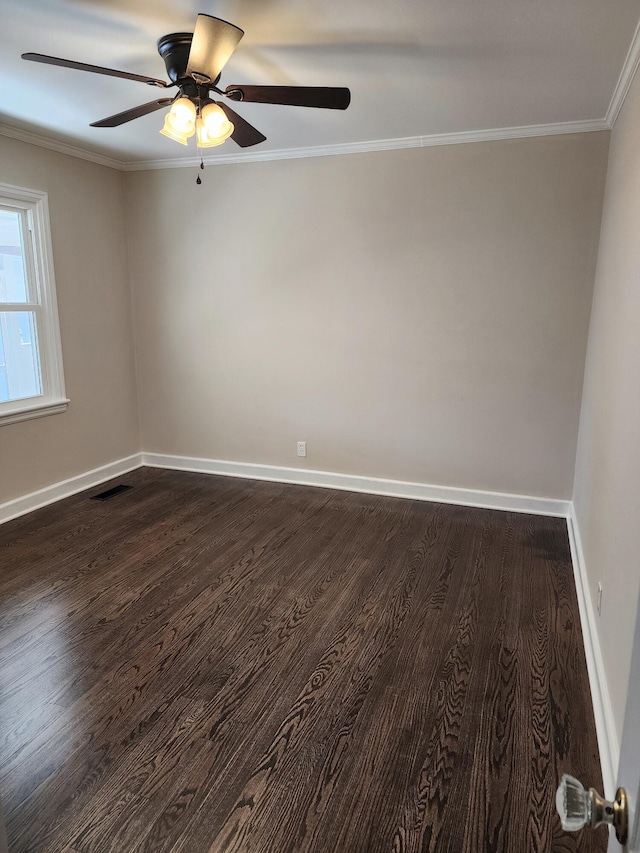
pixel 214 119
pixel 180 121
pixel 214 126
pixel 182 115
pixel 204 140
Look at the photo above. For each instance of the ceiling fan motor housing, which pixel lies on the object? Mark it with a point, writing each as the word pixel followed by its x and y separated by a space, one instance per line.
pixel 174 49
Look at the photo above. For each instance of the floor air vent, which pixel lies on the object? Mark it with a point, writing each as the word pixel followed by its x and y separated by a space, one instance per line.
pixel 111 493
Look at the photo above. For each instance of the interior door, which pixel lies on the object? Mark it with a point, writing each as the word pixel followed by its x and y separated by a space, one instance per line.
pixel 629 769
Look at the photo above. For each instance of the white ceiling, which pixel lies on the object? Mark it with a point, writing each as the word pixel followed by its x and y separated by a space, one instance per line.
pixel 415 67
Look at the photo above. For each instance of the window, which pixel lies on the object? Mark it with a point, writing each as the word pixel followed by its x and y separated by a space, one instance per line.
pixel 31 379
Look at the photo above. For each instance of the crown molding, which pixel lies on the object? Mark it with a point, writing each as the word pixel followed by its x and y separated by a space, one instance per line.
pixel 625 79
pixel 465 136
pixel 251 156
pixel 60 147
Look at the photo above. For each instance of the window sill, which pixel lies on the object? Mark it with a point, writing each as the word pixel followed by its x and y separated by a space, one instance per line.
pixel 25 411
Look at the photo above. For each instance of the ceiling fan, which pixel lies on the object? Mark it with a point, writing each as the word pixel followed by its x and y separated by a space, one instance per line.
pixel 194 63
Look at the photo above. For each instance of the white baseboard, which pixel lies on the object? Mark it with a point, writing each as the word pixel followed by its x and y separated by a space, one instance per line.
pixel 356 483
pixel 603 712
pixel 65 488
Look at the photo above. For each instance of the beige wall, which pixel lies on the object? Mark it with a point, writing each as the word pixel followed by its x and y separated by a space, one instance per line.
pixel 607 484
pixel 89 251
pixel 419 315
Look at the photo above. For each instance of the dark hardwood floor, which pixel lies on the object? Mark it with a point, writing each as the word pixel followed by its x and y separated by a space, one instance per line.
pixel 209 664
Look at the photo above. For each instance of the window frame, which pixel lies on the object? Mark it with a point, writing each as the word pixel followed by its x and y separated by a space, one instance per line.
pixel 41 292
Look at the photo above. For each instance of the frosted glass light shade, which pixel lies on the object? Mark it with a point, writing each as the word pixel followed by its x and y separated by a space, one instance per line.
pixel 213 126
pixel 182 115
pixel 204 141
pixel 180 121
pixel 167 130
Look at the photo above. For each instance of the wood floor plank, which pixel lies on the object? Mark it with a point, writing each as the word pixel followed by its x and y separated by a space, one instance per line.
pixel 100 758
pixel 325 694
pixel 229 722
pixel 207 665
pixel 379 735
pixel 158 641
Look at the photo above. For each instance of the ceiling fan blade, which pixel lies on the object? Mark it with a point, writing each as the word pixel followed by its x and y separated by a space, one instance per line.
pixel 327 97
pixel 129 115
pixel 244 134
pixel 94 69
pixel 214 40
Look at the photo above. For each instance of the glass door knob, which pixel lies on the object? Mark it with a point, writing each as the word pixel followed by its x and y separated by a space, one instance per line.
pixel 578 807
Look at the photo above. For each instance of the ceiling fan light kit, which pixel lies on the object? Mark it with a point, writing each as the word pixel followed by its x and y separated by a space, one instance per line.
pixel 208 122
pixel 194 63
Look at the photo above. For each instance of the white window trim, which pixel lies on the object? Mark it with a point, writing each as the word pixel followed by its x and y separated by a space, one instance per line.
pixel 53 400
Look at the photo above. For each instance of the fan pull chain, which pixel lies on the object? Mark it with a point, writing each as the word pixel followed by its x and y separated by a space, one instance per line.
pixel 199 179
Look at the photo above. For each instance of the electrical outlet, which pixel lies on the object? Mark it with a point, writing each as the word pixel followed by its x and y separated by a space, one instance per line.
pixel 302 448
pixel 599 598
